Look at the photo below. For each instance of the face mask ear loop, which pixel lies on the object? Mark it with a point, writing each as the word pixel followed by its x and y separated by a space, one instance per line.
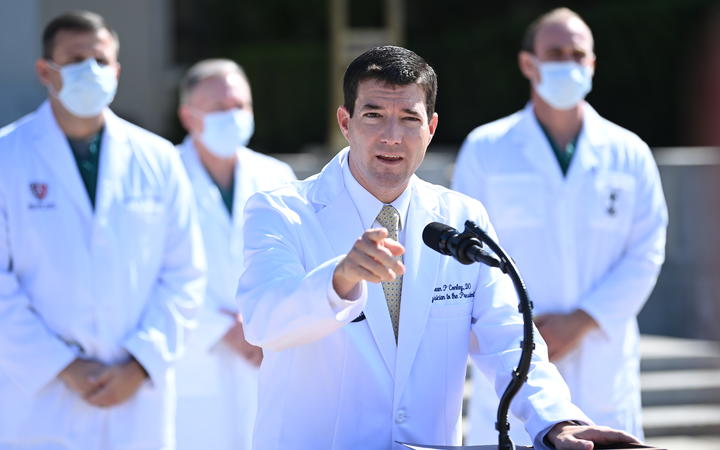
pixel 51 89
pixel 536 61
pixel 200 115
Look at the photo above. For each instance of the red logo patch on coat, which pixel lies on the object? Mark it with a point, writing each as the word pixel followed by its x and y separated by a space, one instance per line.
pixel 39 190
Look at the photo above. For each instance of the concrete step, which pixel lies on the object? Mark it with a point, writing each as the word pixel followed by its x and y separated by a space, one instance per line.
pixel 678 387
pixel 682 420
pixel 686 442
pixel 670 353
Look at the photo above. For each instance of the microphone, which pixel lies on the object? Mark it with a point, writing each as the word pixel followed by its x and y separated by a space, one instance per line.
pixel 464 247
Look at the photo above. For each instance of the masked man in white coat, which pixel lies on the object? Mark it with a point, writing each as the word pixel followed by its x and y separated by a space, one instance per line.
pixel 217 377
pixel 101 260
pixel 577 202
pixel 365 330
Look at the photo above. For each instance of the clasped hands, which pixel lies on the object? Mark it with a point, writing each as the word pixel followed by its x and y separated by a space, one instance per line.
pixel 103 385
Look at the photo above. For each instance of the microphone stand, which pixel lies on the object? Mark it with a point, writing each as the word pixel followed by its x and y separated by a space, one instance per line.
pixel 519 375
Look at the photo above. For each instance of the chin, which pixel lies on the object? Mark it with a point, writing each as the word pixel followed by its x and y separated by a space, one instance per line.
pixel 391 181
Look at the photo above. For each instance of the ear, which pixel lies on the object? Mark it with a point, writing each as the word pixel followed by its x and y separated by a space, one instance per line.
pixel 432 125
pixel 188 120
pixel 343 119
pixel 43 71
pixel 118 69
pixel 527 66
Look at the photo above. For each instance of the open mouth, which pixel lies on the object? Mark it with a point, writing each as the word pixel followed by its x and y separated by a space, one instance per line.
pixel 389 158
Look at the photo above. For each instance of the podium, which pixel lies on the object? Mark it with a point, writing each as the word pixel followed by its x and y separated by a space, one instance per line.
pixel 520 447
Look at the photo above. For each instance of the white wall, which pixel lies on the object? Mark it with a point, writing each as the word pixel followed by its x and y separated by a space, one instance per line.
pixel 20 91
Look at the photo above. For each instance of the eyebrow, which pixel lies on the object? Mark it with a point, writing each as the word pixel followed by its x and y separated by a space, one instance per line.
pixel 412 112
pixel 370 106
pixel 374 107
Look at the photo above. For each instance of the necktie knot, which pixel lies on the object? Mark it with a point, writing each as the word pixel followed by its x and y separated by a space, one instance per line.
pixel 389 217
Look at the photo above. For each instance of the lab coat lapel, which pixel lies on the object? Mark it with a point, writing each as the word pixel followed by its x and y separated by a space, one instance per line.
pixel 590 142
pixel 115 152
pixel 245 185
pixel 536 148
pixel 54 149
pixel 421 271
pixel 342 225
pixel 207 194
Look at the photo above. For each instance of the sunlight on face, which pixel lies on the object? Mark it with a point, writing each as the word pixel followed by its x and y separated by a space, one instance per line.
pixel 388 134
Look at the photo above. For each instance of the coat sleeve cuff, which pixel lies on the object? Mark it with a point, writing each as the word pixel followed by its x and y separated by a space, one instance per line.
pixel 53 364
pixel 211 328
pixel 543 443
pixel 347 309
pixel 141 347
pixel 607 326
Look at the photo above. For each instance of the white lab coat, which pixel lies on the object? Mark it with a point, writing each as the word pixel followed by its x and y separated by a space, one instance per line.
pixel 126 278
pixel 330 383
pixel 217 388
pixel 592 240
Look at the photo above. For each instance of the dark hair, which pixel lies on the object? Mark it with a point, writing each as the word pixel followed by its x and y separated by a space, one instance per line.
pixel 79 21
pixel 392 65
pixel 528 42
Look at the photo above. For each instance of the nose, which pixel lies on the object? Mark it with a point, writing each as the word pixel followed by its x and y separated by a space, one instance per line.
pixel 392 133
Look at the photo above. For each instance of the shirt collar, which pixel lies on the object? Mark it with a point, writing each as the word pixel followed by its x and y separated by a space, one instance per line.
pixel 367 205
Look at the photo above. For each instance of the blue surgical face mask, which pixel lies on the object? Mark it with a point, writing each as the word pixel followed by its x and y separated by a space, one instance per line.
pixel 226 131
pixel 563 84
pixel 87 87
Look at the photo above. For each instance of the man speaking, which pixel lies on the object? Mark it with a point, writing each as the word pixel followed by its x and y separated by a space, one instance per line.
pixel 365 330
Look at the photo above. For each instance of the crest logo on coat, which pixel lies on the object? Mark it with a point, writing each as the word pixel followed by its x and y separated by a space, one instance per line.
pixel 40 193
pixel 39 190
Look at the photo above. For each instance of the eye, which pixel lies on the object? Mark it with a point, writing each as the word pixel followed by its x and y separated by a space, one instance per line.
pixel 554 54
pixel 102 61
pixel 372 115
pixel 411 119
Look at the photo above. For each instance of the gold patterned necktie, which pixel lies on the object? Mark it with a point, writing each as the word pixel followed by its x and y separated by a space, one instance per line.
pixel 390 219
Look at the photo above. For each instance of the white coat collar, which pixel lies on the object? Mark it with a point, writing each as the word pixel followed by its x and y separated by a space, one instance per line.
pixel 207 193
pixel 52 145
pixel 534 144
pixel 368 205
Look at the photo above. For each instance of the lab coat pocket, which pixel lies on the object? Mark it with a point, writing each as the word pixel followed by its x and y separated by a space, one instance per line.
pixel 611 201
pixel 443 310
pixel 143 210
pixel 516 201
pixel 143 218
pixel 145 205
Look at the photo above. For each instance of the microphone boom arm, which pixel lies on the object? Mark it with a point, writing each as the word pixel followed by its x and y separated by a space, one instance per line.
pixel 519 375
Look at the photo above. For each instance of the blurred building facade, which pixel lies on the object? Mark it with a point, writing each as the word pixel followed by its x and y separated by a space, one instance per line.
pixel 147 90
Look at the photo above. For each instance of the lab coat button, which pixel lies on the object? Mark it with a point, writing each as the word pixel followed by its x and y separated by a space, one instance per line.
pixel 400 416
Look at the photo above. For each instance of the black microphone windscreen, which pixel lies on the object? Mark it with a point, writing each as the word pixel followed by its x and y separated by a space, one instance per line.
pixel 433 234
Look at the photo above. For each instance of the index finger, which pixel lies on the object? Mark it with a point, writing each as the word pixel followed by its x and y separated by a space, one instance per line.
pixel 98 383
pixel 100 397
pixel 394 246
pixel 375 235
